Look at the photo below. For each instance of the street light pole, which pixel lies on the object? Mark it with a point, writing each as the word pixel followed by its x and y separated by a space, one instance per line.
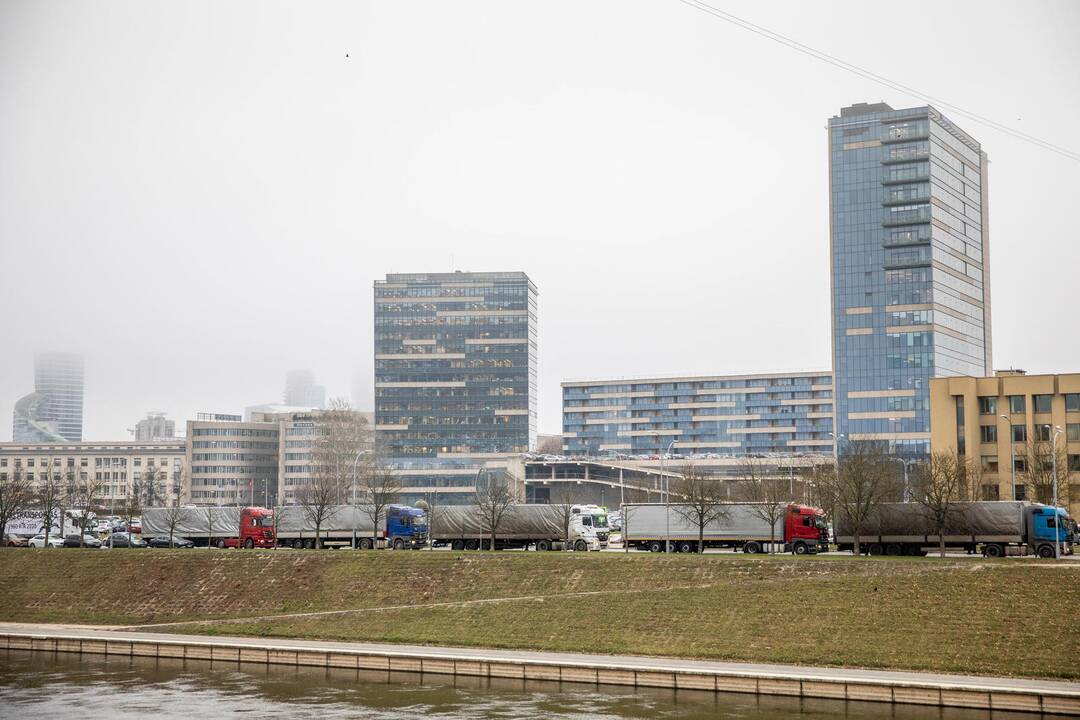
pixel 667 499
pixel 1012 454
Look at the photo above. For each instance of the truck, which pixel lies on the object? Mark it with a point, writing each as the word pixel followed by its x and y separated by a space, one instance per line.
pixel 223 527
pixel 400 527
pixel 656 527
pixel 541 527
pixel 994 527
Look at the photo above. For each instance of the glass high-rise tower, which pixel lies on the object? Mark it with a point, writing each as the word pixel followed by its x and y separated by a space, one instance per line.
pixel 910 267
pixel 54 411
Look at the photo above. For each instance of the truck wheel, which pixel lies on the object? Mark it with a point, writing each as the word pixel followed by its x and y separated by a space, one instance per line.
pixel 752 547
pixel 542 546
pixel 309 544
pixel 686 547
pixel 471 544
pixel 656 546
pixel 220 544
pixel 457 545
pixel 876 549
pixel 399 544
pixel 993 551
pixel 297 543
pixel 801 549
pixel 893 550
pixel 581 546
pixel 1045 551
pixel 249 544
pixel 364 543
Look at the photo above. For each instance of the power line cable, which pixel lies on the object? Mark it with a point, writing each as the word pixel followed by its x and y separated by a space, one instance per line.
pixel 880 79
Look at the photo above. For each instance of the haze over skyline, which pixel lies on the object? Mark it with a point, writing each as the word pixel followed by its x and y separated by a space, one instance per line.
pixel 198 198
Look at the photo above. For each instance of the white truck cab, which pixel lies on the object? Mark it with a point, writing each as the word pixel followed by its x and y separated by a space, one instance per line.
pixel 589 523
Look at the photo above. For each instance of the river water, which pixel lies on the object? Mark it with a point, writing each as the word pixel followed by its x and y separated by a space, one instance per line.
pixel 59 686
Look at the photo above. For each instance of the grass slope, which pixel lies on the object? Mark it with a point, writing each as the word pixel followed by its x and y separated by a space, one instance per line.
pixel 962 616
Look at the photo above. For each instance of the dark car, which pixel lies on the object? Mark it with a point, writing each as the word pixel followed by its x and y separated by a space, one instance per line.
pixel 162 541
pixel 72 541
pixel 123 540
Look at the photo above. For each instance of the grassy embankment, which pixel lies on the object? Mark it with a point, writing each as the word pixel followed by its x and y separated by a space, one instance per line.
pixel 962 616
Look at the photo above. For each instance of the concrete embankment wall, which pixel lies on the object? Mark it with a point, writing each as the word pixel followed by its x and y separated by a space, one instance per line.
pixel 941 691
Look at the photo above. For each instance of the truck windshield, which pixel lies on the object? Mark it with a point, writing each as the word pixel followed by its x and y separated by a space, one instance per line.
pixel 819 523
pixel 600 521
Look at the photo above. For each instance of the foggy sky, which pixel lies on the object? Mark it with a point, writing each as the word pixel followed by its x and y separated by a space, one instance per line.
pixel 198 196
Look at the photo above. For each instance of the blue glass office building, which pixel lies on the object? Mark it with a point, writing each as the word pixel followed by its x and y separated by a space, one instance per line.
pixel 455 373
pixel 723 414
pixel 910 267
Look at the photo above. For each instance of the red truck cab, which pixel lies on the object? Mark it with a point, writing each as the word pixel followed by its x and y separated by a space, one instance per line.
pixel 805 530
pixel 256 528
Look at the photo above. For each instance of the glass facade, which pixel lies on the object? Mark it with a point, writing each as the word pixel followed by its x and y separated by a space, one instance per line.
pixel 725 415
pixel 455 371
pixel 54 411
pixel 909 257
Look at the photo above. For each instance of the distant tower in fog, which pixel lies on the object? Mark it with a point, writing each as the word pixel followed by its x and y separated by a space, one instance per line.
pixel 301 390
pixel 54 411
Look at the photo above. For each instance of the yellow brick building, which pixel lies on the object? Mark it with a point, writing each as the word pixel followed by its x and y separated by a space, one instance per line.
pixel 1011 426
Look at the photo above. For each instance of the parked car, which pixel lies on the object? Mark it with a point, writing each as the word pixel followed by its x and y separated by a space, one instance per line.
pixel 72 541
pixel 38 541
pixel 14 541
pixel 162 541
pixel 123 540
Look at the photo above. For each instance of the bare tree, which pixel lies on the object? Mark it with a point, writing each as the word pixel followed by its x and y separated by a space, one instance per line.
pixel 49 498
pixel 84 490
pixel 494 500
pixel 173 511
pixel 341 438
pixel 701 500
pixel 563 498
pixel 380 487
pixel 15 496
pixel 864 480
pixel 767 492
pixel 318 499
pixel 939 486
pixel 1037 470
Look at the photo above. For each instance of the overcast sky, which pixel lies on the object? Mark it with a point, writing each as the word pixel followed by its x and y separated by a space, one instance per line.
pixel 198 196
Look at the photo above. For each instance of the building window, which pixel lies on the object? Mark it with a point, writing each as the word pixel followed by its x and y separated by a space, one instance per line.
pixel 1019 432
pixel 1016 403
pixel 1072 402
pixel 1042 433
pixel 988 433
pixel 1072 432
pixel 1021 492
pixel 1074 466
pixel 1020 465
pixel 991 492
pixel 990 463
pixel 1041 403
pixel 988 406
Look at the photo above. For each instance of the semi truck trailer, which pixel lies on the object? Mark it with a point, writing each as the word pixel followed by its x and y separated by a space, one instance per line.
pixel 656 526
pixel 996 528
pixel 541 527
pixel 400 527
pixel 247 527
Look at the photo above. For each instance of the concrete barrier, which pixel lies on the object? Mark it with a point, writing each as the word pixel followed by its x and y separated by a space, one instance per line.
pixel 835 684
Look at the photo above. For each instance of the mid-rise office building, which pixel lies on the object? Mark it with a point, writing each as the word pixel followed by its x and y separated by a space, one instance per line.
pixel 721 414
pixel 54 411
pixel 455 373
pixel 155 426
pixel 910 267
pixel 1011 426
pixel 231 462
pixel 154 469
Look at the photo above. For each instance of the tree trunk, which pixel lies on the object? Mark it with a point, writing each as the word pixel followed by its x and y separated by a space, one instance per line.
pixel 941 541
pixel 856 546
pixel 772 537
pixel 701 539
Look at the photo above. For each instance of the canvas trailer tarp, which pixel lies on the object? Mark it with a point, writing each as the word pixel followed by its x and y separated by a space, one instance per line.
pixel 646 521
pixel 192 522
pixel 521 522
pixel 990 521
pixel 294 521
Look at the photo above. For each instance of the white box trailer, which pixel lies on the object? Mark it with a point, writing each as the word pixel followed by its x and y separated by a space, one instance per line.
pixel 651 526
pixel 541 526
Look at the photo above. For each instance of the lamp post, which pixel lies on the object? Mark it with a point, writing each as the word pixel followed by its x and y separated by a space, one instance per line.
pixel 1057 521
pixel 1012 454
pixel 667 499
pixel 905 462
pixel 352 492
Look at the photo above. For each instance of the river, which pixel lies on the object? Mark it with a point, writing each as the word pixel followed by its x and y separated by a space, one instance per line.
pixel 54 686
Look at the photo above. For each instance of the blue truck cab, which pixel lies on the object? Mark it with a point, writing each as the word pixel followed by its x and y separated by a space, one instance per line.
pixel 1050 530
pixel 406 527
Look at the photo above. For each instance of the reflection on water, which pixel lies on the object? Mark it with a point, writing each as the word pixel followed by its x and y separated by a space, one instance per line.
pixel 47 685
